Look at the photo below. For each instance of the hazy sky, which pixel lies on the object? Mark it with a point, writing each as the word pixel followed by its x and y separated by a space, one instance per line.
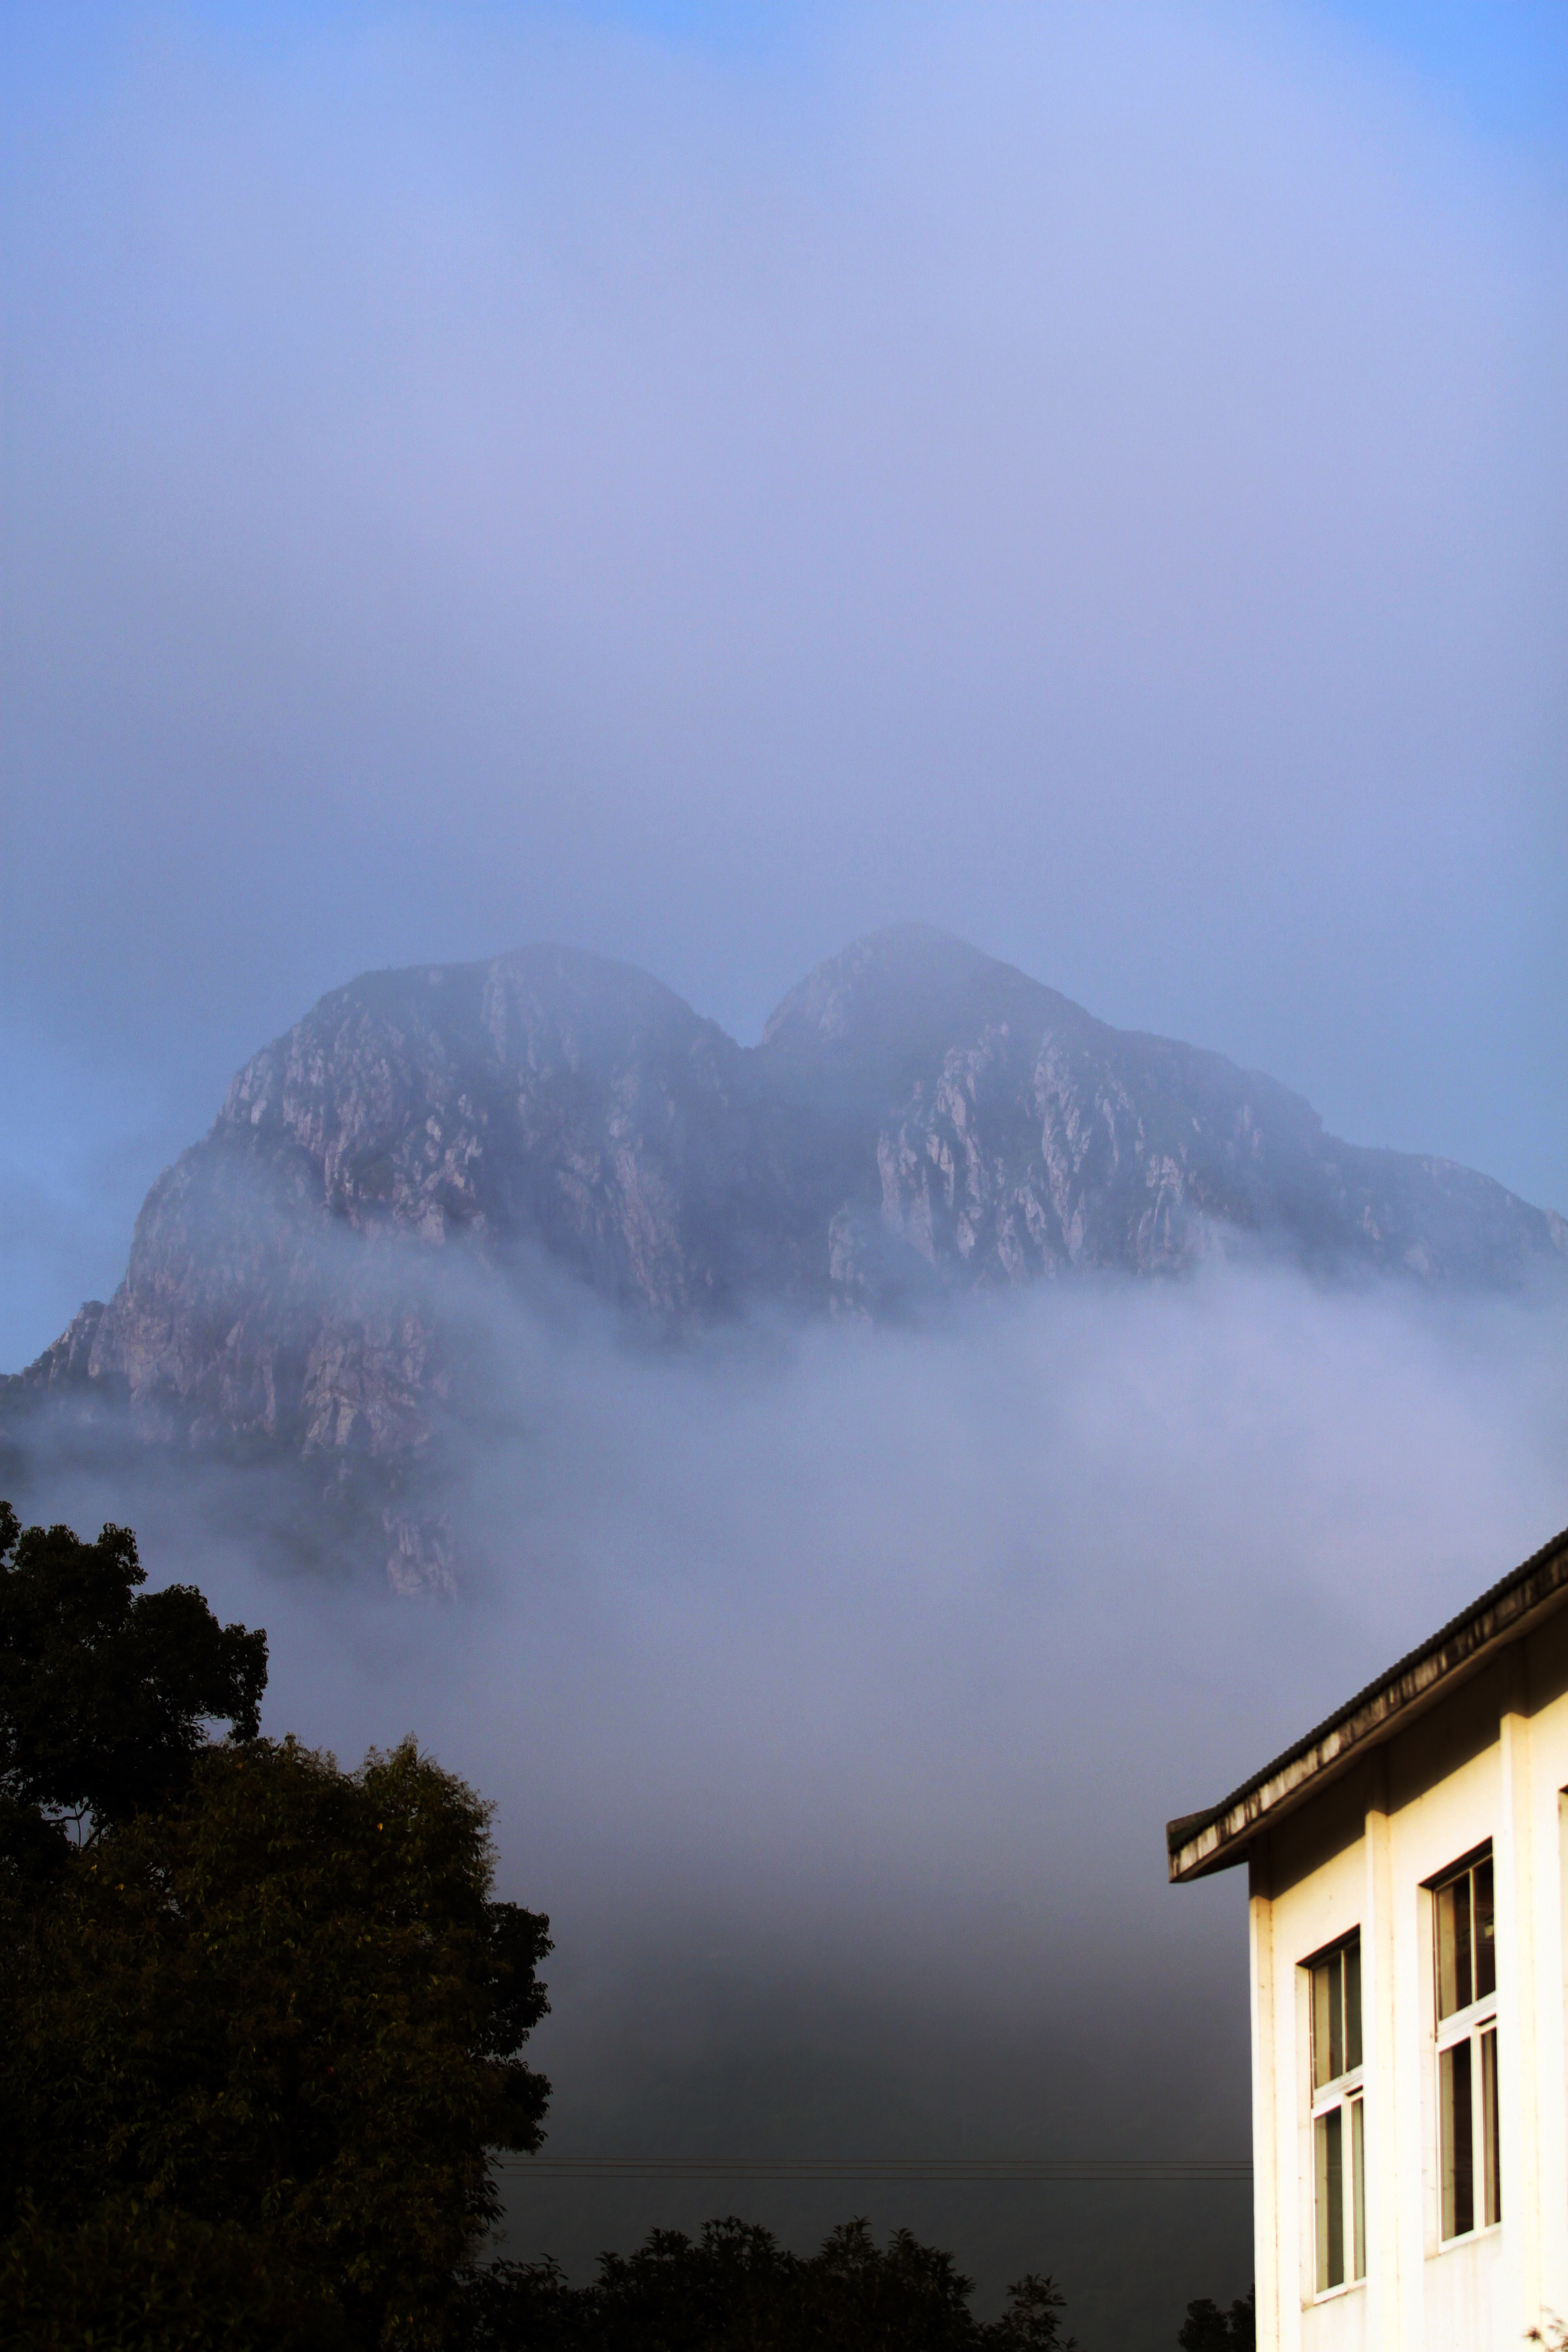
pixel 701 482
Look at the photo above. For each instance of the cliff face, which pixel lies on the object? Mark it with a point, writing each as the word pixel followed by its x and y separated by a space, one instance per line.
pixel 916 1118
pixel 279 1283
pixel 1013 1135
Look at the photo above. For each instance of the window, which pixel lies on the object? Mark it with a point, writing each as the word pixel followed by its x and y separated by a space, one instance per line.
pixel 1465 1963
pixel 1339 2134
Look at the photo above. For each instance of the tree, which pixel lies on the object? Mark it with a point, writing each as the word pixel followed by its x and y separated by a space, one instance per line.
pixel 254 2043
pixel 138 2279
pixel 289 2006
pixel 104 1690
pixel 1207 2328
pixel 736 2289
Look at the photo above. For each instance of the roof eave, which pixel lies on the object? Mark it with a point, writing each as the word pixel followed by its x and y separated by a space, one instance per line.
pixel 1198 1844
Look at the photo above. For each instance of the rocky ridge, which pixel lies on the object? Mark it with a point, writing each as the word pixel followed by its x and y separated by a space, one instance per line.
pixel 917 1119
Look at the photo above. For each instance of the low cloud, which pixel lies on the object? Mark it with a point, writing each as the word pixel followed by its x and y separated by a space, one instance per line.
pixel 833 1687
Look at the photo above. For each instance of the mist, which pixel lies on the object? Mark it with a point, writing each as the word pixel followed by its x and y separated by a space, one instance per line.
pixel 833 1686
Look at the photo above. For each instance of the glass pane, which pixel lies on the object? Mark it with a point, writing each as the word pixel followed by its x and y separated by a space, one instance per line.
pixel 1329 2135
pixel 1448 1990
pixel 1453 1947
pixel 1358 2192
pixel 1352 2002
pixel 1320 2025
pixel 1492 2207
pixel 1328 2023
pixel 1486 1939
pixel 1458 2140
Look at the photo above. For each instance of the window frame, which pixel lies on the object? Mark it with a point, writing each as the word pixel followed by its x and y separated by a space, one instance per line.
pixel 1469 2027
pixel 1336 2109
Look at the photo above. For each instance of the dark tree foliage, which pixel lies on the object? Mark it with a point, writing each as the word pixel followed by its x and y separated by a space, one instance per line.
pixel 287 2007
pixel 736 2289
pixel 260 2024
pixel 104 1690
pixel 1207 2328
pixel 139 2278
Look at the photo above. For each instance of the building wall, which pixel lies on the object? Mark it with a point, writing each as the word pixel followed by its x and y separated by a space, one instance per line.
pixel 1487 1761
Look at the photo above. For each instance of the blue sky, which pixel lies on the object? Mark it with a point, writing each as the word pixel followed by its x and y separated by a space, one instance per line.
pixel 1506 59
pixel 1506 63
pixel 1503 63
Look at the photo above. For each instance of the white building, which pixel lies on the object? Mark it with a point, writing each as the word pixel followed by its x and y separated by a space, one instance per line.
pixel 1408 1871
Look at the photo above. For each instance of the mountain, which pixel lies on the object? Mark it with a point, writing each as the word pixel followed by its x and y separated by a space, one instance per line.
pixel 917 1119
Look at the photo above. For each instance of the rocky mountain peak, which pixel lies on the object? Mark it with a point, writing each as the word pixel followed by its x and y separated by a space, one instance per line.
pixel 919 1120
pixel 888 1007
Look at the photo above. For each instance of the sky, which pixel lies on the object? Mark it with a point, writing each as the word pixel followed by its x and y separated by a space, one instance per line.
pixel 702 482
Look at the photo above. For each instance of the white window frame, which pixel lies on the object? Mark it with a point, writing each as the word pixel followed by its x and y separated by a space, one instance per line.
pixel 1337 2114
pixel 1470 2028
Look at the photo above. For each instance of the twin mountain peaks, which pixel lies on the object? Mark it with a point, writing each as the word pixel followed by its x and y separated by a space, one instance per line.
pixel 917 1119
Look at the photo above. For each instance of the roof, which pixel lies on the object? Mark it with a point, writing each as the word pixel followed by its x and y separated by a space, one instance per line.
pixel 1198 1844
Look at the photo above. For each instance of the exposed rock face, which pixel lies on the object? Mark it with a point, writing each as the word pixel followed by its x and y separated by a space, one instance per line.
pixel 916 1117
pixel 275 1288
pixel 1013 1135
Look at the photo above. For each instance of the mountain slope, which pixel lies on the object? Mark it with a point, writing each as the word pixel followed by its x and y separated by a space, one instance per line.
pixel 916 1118
pixel 1015 1135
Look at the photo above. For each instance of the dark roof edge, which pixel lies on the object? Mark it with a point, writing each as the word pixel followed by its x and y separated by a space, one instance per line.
pixel 1197 1843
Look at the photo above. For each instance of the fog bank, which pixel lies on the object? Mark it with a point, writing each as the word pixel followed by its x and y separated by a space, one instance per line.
pixel 834 1688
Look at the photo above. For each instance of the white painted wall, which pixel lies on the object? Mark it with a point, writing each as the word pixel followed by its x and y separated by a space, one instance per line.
pixel 1489 1760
